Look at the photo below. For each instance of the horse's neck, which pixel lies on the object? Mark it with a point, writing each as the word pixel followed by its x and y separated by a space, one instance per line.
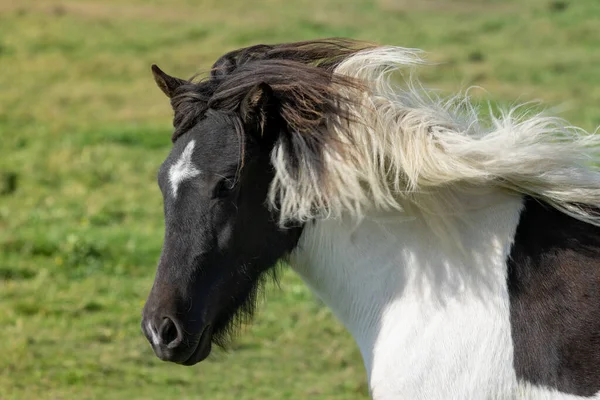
pixel 430 322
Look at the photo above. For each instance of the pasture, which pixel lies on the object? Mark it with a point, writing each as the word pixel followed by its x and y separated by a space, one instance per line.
pixel 83 130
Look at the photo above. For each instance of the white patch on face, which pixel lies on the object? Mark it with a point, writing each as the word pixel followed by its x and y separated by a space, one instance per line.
pixel 183 169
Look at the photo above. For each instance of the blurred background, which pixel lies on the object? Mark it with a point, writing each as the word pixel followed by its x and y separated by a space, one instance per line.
pixel 83 130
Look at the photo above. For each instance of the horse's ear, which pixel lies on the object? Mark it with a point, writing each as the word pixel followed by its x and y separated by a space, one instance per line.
pixel 165 82
pixel 259 107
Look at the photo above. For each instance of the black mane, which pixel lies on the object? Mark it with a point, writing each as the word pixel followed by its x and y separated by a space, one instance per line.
pixel 301 75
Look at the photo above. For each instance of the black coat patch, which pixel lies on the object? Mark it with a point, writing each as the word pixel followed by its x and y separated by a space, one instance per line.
pixel 554 291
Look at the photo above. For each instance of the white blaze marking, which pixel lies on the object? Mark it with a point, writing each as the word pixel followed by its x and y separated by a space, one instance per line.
pixel 183 169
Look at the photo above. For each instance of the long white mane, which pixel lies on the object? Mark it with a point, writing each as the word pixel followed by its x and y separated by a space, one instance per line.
pixel 410 150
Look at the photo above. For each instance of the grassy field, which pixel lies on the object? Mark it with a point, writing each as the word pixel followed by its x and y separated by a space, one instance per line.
pixel 83 130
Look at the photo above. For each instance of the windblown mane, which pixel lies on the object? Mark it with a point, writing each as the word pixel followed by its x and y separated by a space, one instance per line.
pixel 356 140
pixel 301 75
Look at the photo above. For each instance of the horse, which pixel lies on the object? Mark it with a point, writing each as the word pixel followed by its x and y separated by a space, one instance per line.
pixel 460 248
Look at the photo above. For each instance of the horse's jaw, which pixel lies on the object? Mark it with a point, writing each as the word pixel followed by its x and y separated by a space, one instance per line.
pixel 430 322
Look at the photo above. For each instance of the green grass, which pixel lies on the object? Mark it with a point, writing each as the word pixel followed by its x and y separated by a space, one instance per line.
pixel 83 130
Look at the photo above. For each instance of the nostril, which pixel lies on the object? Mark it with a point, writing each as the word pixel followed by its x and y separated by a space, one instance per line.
pixel 168 332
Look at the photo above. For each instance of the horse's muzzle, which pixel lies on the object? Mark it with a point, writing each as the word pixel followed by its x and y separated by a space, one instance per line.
pixel 171 343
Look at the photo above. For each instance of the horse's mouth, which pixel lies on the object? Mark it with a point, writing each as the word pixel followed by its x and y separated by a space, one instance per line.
pixel 203 348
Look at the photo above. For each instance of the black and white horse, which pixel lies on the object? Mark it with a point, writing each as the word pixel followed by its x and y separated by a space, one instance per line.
pixel 462 255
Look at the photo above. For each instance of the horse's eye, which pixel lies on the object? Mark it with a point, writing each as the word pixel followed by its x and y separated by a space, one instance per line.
pixel 224 187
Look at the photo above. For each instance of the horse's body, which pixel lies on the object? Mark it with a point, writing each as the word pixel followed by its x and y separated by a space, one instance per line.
pixel 509 318
pixel 464 259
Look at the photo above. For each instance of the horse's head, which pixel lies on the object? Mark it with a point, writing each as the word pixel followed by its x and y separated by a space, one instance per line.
pixel 220 235
pixel 256 119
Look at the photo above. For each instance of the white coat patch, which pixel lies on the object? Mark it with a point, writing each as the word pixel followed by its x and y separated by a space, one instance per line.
pixel 183 169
